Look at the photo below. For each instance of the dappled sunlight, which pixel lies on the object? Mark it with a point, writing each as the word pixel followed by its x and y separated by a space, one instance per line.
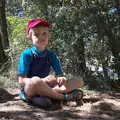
pixel 85 35
pixel 96 106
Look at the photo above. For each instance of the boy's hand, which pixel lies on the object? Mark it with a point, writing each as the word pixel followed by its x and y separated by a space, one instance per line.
pixel 61 81
pixel 50 79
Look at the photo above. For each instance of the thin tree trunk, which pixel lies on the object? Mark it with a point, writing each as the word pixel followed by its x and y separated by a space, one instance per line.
pixel 3 33
pixel 3 57
pixel 3 25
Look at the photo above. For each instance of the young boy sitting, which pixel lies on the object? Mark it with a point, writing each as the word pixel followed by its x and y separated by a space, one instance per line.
pixel 34 67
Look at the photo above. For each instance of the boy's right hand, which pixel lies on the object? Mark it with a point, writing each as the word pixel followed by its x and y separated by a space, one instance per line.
pixel 62 81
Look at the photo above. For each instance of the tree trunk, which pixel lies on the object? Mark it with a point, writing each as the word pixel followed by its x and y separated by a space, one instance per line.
pixel 3 25
pixel 3 57
pixel 3 33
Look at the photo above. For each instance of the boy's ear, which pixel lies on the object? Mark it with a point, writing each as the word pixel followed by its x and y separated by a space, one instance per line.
pixel 29 35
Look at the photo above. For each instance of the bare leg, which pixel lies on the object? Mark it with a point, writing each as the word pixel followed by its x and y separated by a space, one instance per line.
pixel 69 86
pixel 37 86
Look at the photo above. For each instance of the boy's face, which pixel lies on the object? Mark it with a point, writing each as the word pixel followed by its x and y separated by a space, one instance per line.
pixel 40 36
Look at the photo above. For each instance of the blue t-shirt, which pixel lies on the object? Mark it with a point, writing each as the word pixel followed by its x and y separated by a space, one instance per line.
pixel 33 62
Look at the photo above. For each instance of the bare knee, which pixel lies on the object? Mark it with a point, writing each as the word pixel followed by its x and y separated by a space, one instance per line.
pixel 32 85
pixel 29 89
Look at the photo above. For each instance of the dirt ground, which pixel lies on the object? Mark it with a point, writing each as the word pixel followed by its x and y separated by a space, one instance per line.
pixel 96 106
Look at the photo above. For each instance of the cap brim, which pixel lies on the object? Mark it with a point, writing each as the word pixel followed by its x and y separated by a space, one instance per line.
pixel 46 24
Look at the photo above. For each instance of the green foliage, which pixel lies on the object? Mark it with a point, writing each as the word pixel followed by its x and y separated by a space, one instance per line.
pixel 18 42
pixel 32 7
pixel 12 6
pixel 84 32
pixel 67 33
pixel 16 30
pixel 97 82
pixel 79 32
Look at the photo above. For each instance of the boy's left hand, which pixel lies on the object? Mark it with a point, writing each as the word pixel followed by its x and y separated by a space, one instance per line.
pixel 61 81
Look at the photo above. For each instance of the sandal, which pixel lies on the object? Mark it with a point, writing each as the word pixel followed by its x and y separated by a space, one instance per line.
pixel 23 96
pixel 75 95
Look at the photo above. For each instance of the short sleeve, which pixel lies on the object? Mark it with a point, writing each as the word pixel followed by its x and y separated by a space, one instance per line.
pixel 24 63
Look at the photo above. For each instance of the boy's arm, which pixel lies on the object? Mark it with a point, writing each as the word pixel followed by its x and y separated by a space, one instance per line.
pixel 24 65
pixel 56 65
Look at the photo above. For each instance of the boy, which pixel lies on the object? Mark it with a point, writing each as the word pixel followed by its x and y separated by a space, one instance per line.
pixel 34 67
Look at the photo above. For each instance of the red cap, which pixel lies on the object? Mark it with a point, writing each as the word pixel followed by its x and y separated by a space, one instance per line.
pixel 34 22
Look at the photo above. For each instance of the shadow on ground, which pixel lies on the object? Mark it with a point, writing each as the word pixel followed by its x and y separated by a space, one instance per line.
pixel 6 96
pixel 96 106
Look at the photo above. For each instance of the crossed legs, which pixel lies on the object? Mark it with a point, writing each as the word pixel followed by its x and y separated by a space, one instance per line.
pixel 38 86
